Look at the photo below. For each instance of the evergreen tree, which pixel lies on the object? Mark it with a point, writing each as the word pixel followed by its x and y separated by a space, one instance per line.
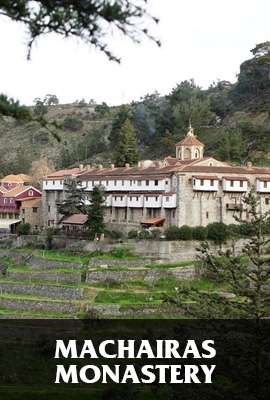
pixel 119 119
pixel 126 150
pixel 95 213
pixel 74 201
pixel 247 276
pixel 168 143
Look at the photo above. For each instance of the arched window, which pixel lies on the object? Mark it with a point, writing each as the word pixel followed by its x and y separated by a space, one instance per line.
pixel 187 154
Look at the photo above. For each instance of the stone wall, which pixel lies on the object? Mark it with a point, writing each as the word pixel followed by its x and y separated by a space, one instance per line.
pixel 49 291
pixel 38 305
pixel 148 275
pixel 44 276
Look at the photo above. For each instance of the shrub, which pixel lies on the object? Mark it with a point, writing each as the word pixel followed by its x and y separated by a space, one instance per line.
pixel 121 251
pixel 72 124
pixel 155 233
pixel 24 229
pixel 133 234
pixel 172 233
pixel 200 233
pixel 246 229
pixel 144 235
pixel 185 233
pixel 114 234
pixel 234 230
pixel 218 232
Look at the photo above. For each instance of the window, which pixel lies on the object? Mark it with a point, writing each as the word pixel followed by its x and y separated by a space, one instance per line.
pixel 146 198
pixel 130 182
pixel 115 182
pixel 156 198
pixel 267 201
pixel 137 198
pixel 49 208
pixel 265 184
pixel 123 182
pixel 207 214
pixel 53 182
pixel 10 201
pixel 167 198
pixel 147 182
pixel 201 182
pixel 166 182
pixel 107 183
pixel 115 197
pixel 232 183
pixel 156 182
pixel 31 193
pixel 35 210
pixel 139 183
pixel 212 182
pixel 5 201
pixel 241 183
pixel 23 210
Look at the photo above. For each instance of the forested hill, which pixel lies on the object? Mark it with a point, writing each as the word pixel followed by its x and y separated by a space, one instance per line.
pixel 233 120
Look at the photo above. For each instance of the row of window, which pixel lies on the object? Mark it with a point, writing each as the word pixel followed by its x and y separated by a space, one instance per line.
pixel 137 198
pixel 123 182
pixel 231 183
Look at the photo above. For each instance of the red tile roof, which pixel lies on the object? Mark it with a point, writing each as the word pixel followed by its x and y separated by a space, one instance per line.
pixel 235 178
pixel 153 221
pixel 75 219
pixel 190 141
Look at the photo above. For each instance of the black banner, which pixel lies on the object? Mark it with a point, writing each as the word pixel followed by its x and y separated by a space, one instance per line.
pixel 236 352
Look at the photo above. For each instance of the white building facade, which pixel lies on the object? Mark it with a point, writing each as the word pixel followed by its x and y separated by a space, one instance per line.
pixel 189 189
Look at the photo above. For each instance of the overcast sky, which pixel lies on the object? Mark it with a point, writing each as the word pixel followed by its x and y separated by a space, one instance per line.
pixel 205 40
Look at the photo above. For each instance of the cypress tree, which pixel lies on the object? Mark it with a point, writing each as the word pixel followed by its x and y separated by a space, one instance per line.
pixel 74 198
pixel 126 150
pixel 95 213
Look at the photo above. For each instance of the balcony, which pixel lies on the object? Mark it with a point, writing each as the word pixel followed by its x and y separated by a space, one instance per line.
pixel 205 183
pixel 235 184
pixel 263 185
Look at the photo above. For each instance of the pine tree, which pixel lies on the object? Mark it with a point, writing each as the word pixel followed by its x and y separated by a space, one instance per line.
pixel 95 213
pixel 127 147
pixel 74 198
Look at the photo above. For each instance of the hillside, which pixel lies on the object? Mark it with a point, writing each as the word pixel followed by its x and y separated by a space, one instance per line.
pixel 233 120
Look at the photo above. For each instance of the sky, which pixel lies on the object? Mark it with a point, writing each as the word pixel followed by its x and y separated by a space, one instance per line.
pixel 205 40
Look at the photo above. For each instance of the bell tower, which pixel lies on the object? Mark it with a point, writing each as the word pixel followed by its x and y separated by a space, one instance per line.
pixel 189 148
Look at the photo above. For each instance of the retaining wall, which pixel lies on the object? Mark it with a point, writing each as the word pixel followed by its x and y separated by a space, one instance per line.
pixel 60 292
pixel 55 277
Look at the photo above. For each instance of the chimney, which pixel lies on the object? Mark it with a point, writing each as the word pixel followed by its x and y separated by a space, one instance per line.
pixel 249 165
pixel 112 166
pixel 100 166
pixel 81 167
pixel 140 164
pixel 88 167
pixel 127 165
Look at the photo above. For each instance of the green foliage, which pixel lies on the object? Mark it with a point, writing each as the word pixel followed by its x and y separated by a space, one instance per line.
pixel 113 234
pixel 232 147
pixel 72 124
pixel 95 213
pixel 200 233
pixel 133 234
pixel 40 108
pixel 74 200
pixel 121 251
pixel 126 150
pixel 23 229
pixel 172 233
pixel 12 108
pixel 102 110
pixel 89 21
pixel 218 232
pixel 118 121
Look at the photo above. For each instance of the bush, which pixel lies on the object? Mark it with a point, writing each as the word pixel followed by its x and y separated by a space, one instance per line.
pixel 172 233
pixel 234 230
pixel 133 234
pixel 72 124
pixel 24 229
pixel 155 233
pixel 185 233
pixel 200 233
pixel 218 232
pixel 114 234
pixel 121 251
pixel 144 235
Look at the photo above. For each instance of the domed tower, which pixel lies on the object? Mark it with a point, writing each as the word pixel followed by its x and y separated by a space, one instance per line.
pixel 189 148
